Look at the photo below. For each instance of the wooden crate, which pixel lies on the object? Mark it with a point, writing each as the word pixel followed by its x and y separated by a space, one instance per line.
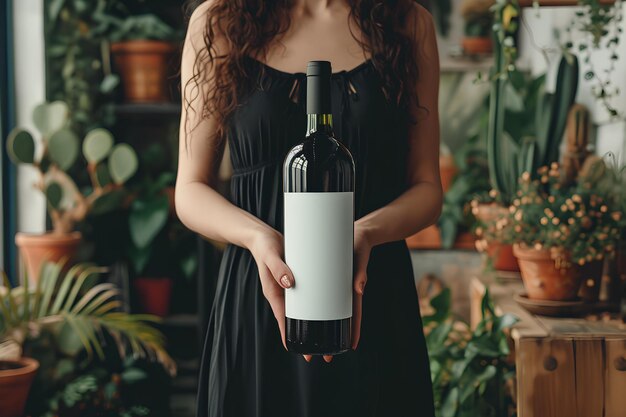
pixel 574 367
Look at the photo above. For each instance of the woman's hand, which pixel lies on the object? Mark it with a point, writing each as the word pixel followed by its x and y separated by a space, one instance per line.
pixel 267 248
pixel 362 250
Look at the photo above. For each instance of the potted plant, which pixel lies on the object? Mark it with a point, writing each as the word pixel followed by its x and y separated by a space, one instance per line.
pixel 471 369
pixel 148 218
pixel 160 247
pixel 109 166
pixel 16 378
pixel 525 130
pixel 142 47
pixel 561 231
pixel 72 306
pixel 478 22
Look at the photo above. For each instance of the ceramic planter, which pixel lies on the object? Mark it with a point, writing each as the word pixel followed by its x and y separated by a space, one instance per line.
pixel 143 66
pixel 500 254
pixel 35 249
pixel 542 278
pixel 482 45
pixel 154 295
pixel 16 378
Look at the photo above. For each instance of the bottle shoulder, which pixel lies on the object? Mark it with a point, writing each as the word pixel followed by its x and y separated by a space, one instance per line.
pixel 319 147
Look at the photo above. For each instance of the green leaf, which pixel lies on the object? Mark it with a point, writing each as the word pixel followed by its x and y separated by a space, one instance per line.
pixel 133 375
pixel 68 340
pixel 108 202
pixel 147 218
pixel 50 117
pixel 139 257
pixel 54 9
pixel 451 403
pixel 21 147
pixel 504 322
pixel 189 264
pixel 109 83
pixel 441 305
pixel 123 163
pixel 63 148
pixel 484 346
pixel 437 337
pixel 97 145
pixel 54 194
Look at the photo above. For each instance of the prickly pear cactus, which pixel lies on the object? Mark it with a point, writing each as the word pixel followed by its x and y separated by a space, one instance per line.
pixel 109 165
pixel 21 147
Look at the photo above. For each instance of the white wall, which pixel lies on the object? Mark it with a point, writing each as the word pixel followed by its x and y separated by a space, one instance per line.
pixel 28 22
pixel 538 32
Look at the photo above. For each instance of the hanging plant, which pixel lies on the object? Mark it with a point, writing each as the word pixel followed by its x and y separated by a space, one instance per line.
pixel 600 25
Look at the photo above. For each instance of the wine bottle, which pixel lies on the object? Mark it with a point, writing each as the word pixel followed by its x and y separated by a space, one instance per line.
pixel 318 184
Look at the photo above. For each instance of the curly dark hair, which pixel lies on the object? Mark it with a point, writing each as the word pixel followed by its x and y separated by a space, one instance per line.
pixel 249 26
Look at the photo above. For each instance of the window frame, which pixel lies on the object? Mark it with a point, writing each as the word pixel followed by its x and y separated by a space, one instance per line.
pixel 8 255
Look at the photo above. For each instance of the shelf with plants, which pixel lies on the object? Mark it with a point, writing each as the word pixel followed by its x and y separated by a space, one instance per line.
pixel 529 184
pixel 109 54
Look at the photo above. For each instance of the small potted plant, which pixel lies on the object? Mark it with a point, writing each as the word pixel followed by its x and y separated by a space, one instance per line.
pixel 142 48
pixel 563 232
pixel 150 214
pixel 524 134
pixel 478 22
pixel 109 167
pixel 74 307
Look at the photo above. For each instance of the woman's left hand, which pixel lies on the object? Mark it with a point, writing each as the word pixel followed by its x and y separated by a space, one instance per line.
pixel 362 250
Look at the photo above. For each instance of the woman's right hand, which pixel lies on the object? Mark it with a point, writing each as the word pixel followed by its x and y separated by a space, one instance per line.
pixel 267 248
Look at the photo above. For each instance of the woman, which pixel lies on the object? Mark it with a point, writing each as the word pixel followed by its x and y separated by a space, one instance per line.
pixel 242 76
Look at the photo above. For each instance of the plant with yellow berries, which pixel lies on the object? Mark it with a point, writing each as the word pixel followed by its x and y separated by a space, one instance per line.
pixel 579 222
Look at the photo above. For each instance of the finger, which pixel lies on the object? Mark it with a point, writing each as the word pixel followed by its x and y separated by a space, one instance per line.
pixel 357 310
pixel 328 358
pixel 360 279
pixel 307 357
pixel 281 272
pixel 275 295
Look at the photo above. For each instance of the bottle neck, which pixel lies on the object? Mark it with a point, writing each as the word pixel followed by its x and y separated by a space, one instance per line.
pixel 319 123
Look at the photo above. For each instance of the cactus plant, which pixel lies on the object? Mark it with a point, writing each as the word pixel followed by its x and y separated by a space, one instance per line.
pixel 509 158
pixel 109 166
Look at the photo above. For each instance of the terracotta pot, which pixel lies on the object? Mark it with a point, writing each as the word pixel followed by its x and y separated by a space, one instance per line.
pixel 16 378
pixel 591 281
pixel 542 279
pixel 35 249
pixel 154 295
pixel 477 45
pixel 502 257
pixel 144 69
pixel 500 254
pixel 465 241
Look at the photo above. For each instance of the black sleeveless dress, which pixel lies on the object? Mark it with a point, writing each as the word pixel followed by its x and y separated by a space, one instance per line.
pixel 245 370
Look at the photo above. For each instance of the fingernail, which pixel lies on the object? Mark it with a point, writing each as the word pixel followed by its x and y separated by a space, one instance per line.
pixel 328 358
pixel 362 288
pixel 285 281
pixel 308 358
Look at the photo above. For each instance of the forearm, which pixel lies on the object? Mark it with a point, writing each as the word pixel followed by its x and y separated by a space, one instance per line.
pixel 205 211
pixel 415 209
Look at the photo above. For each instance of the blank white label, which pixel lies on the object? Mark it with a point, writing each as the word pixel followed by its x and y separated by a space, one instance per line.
pixel 319 244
